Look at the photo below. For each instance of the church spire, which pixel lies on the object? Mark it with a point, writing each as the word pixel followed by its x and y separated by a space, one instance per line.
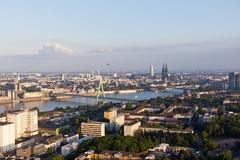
pixel 163 68
pixel 166 69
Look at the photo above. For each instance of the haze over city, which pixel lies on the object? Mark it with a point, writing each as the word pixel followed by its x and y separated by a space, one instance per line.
pixel 67 36
pixel 120 80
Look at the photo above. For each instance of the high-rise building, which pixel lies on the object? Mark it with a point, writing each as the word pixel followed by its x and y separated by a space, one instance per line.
pixel 234 80
pixel 237 81
pixel 18 77
pixel 96 129
pixel 7 136
pixel 165 74
pixel 231 80
pixel 62 77
pixel 151 70
pixel 26 122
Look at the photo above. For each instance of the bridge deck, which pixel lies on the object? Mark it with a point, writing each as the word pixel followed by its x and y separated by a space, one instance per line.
pixel 107 98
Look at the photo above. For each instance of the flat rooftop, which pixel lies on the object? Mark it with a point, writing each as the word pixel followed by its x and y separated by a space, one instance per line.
pixel 5 123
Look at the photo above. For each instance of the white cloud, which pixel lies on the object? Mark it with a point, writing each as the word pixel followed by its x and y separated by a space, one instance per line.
pixel 54 49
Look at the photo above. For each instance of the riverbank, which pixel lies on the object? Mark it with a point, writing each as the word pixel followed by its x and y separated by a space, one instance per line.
pixel 114 92
pixel 74 101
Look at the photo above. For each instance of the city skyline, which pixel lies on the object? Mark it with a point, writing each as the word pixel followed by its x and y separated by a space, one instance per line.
pixel 60 36
pixel 127 79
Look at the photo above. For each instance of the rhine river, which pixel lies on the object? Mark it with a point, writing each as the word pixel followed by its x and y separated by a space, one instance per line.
pixel 75 101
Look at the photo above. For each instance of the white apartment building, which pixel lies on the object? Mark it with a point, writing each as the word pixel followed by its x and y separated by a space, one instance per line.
pixel 130 129
pixel 26 122
pixel 96 129
pixel 7 136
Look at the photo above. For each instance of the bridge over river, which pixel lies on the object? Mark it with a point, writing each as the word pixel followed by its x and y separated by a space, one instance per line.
pixel 92 96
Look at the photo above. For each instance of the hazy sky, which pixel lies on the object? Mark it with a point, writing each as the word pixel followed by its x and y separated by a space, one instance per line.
pixel 77 35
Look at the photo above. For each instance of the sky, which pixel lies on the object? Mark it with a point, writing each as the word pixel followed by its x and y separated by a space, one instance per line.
pixel 85 35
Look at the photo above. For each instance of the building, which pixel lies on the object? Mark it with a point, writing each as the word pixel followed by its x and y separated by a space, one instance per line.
pixel 24 152
pixel 116 122
pixel 163 147
pixel 68 149
pixel 62 77
pixel 3 119
pixel 26 122
pixel 107 155
pixel 130 129
pixel 237 81
pixel 96 129
pixel 52 141
pixel 165 74
pixel 228 143
pixel 109 114
pixel 72 138
pixel 39 149
pixel 26 142
pixel 234 80
pixel 151 70
pixel 13 89
pixel 7 136
pixel 32 95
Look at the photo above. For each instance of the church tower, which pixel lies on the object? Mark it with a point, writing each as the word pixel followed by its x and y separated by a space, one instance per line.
pixel 165 74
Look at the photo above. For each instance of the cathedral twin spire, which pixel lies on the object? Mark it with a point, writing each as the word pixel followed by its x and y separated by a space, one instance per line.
pixel 165 77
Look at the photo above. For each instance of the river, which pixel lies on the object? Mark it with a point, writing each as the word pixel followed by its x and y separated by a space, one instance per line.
pixel 75 101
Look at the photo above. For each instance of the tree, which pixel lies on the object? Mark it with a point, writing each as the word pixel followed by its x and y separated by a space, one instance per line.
pixel 178 140
pixel 129 106
pixel 57 157
pixel 227 155
pixel 210 145
pixel 201 111
pixel 132 148
pixel 50 150
pixel 166 158
pixel 204 134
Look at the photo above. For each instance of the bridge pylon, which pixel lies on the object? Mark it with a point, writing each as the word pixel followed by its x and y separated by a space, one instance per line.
pixel 100 92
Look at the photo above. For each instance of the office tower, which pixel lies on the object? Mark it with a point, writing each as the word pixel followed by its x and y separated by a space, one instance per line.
pixel 165 74
pixel 7 136
pixel 62 77
pixel 231 80
pixel 96 129
pixel 18 77
pixel 237 82
pixel 234 80
pixel 26 122
pixel 151 70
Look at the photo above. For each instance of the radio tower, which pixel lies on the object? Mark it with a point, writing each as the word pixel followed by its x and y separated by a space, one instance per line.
pixel 108 65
